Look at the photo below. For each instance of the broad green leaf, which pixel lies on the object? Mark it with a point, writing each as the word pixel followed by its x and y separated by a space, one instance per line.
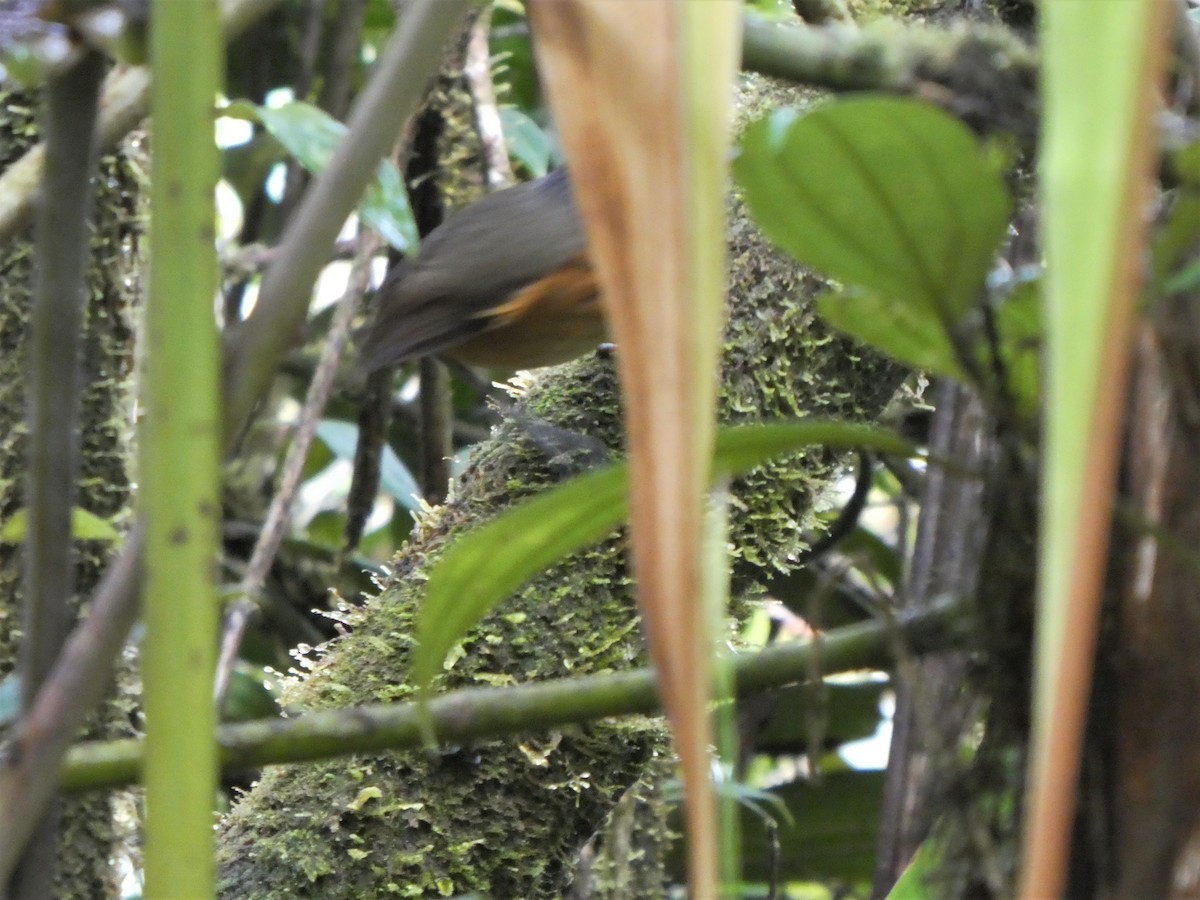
pixel 526 141
pixel 483 567
pixel 911 334
pixel 885 194
pixel 342 437
pixel 913 883
pixel 311 135
pixel 488 564
pixel 85 526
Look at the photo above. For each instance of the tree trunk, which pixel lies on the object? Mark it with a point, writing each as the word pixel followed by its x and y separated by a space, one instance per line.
pixel 106 446
pixel 1156 779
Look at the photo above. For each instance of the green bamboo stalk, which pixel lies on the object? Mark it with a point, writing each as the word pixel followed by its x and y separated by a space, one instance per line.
pixel 179 454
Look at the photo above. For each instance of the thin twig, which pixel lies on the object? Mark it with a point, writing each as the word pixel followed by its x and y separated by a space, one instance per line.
pixel 309 48
pixel 251 259
pixel 267 547
pixel 477 69
pixel 436 433
pixel 374 414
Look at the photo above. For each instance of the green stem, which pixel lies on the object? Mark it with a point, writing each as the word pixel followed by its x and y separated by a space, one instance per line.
pixel 475 714
pixel 179 455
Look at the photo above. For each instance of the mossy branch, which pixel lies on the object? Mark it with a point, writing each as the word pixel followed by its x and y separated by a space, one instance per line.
pixel 474 714
pixel 985 75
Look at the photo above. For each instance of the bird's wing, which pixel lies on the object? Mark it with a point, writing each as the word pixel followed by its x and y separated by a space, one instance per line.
pixel 470 265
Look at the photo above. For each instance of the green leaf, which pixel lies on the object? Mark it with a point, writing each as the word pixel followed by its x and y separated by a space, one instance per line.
pixel 491 562
pixel 1174 244
pixel 252 694
pixel 514 71
pixel 85 526
pixel 394 477
pixel 311 136
pixel 872 554
pixel 1185 164
pixel 885 194
pixel 913 882
pixel 910 334
pixel 526 141
pixel 488 564
pixel 1019 322
pixel 1188 279
pixel 832 837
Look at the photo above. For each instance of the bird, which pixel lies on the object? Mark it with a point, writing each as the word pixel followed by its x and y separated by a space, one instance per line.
pixel 506 283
